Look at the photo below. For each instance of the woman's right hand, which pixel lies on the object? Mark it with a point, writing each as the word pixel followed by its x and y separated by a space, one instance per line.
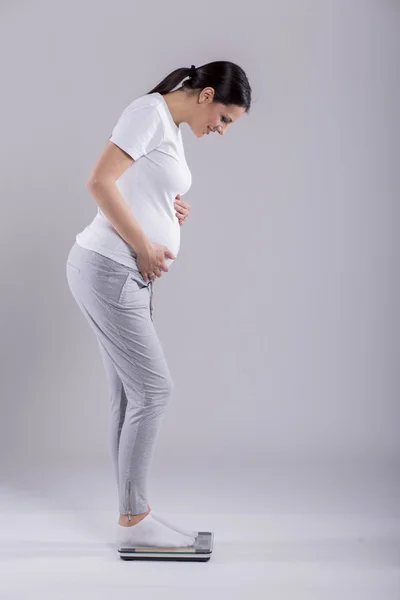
pixel 151 260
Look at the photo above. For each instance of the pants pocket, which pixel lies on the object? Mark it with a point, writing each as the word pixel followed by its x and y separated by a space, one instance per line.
pixel 133 289
pixel 73 267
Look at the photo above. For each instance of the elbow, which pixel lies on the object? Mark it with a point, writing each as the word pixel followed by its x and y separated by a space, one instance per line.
pixel 89 183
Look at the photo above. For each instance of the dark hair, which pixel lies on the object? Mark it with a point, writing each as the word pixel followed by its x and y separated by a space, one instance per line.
pixel 228 80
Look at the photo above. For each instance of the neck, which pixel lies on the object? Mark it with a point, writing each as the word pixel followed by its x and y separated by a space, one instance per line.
pixel 180 106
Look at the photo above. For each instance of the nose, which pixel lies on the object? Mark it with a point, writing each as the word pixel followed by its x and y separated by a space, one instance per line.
pixel 219 129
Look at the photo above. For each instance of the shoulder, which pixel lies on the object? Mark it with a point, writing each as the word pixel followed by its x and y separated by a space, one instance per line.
pixel 148 103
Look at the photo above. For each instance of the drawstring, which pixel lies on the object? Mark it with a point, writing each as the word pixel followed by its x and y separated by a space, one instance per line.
pixel 151 298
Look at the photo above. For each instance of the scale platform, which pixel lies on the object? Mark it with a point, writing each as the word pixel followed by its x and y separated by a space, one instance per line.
pixel 200 551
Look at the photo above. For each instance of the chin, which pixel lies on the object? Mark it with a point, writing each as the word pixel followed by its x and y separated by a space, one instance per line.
pixel 197 134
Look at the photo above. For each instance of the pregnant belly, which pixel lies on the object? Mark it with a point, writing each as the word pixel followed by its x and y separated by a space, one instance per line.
pixel 165 232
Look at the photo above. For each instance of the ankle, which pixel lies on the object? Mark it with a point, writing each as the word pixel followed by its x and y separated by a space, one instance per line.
pixel 127 520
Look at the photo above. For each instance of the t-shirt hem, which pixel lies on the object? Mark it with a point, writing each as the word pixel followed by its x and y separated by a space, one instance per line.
pixel 126 261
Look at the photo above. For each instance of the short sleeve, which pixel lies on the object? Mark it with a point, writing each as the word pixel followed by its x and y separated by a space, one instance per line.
pixel 138 131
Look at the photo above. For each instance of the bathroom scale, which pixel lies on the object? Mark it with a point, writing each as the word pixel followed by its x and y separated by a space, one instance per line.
pixel 200 551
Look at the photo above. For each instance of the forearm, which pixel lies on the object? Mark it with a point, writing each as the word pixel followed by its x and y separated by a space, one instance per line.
pixel 118 213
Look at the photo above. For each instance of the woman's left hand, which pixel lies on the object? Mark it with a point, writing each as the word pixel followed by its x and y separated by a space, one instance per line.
pixel 182 209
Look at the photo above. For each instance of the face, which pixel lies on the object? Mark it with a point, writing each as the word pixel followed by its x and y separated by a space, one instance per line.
pixel 212 117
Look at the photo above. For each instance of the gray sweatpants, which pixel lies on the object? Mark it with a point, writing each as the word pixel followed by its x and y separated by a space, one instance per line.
pixel 117 304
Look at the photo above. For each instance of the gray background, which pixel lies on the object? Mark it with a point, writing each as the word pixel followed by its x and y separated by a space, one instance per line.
pixel 279 318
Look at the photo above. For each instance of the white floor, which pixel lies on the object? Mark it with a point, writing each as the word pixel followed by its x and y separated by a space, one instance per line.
pixel 279 533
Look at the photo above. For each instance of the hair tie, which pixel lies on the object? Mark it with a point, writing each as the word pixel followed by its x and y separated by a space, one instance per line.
pixel 192 71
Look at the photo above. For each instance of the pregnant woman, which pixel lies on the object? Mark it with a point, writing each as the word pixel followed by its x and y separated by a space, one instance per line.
pixel 137 182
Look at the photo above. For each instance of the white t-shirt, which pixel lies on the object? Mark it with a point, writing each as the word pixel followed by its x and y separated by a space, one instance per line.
pixel 148 133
